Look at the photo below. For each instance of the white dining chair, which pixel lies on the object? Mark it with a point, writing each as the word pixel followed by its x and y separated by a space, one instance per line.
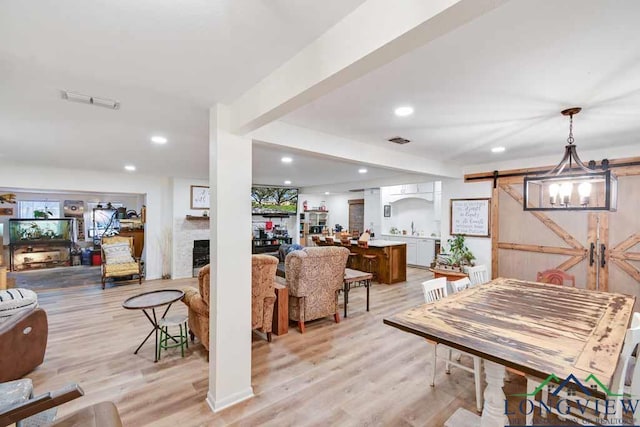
pixel 435 290
pixel 626 380
pixel 460 284
pixel 478 275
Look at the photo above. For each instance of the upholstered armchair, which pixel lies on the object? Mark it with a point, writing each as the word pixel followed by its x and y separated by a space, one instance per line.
pixel 263 297
pixel 198 302
pixel 118 259
pixel 314 276
pixel 23 342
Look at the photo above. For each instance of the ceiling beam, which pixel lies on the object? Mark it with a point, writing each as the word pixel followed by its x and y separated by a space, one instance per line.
pixel 375 33
pixel 361 153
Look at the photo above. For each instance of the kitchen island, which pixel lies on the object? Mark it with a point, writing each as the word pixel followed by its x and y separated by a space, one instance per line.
pixel 391 259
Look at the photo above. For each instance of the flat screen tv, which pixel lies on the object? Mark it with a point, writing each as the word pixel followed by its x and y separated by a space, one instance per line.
pixel 274 200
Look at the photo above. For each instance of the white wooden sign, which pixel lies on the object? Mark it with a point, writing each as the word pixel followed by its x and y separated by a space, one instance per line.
pixel 470 217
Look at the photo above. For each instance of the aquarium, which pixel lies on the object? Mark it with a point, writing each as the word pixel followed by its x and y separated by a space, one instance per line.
pixel 39 230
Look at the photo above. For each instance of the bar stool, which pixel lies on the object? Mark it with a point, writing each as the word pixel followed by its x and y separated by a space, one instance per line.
pixel 329 240
pixel 178 340
pixel 369 261
pixel 315 240
pixel 352 255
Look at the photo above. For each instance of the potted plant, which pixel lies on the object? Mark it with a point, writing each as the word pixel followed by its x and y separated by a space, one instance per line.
pixel 459 252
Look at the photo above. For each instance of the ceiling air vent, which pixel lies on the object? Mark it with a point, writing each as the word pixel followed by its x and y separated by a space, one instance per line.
pixel 398 140
pixel 111 104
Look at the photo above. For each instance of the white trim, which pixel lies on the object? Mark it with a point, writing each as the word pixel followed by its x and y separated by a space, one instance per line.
pixel 229 400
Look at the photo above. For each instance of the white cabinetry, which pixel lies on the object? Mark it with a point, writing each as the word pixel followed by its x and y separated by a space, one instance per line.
pixel 425 252
pixel 420 251
pixel 412 251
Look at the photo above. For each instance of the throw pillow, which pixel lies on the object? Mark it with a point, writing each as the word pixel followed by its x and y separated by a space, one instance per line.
pixel 294 247
pixel 13 301
pixel 117 253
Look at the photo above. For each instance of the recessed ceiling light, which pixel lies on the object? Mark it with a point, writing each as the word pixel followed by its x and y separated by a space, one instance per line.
pixel 287 182
pixel 286 160
pixel 403 111
pixel 326 193
pixel 362 170
pixel 497 149
pixel 130 168
pixel 158 139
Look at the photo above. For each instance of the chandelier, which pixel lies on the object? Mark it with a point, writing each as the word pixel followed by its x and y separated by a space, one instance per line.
pixel 554 190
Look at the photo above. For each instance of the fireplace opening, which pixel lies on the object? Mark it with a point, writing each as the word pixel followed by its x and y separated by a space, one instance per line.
pixel 200 255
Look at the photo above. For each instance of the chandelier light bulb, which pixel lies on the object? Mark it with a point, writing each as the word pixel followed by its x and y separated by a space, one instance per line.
pixel 584 190
pixel 565 192
pixel 553 193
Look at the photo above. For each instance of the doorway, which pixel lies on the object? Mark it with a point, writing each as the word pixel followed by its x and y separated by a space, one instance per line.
pixel 356 215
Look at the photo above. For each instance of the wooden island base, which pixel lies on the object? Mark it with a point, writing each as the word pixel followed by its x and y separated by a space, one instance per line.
pixel 390 265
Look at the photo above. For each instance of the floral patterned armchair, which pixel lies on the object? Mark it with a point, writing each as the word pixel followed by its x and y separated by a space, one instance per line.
pixel 314 277
pixel 263 297
pixel 198 302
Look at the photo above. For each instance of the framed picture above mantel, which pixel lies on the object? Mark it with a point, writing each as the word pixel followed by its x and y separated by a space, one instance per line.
pixel 200 197
pixel 470 217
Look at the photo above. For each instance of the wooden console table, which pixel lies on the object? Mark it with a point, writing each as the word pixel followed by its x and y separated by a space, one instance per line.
pixel 450 275
pixel 281 310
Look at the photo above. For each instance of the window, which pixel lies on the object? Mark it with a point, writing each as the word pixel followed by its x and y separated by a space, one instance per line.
pixel 103 219
pixel 26 208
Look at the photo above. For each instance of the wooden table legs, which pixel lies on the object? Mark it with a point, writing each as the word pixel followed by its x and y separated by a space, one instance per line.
pixel 281 310
pixel 493 414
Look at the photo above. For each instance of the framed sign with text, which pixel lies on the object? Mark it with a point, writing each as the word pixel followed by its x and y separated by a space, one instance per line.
pixel 470 217
pixel 200 197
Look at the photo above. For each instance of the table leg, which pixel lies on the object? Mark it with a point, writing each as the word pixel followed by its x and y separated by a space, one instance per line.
pixel 493 414
pixel 152 331
pixel 368 284
pixel 347 288
pixel 155 323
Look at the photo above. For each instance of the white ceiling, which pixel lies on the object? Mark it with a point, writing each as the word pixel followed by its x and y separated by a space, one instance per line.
pixel 312 170
pixel 165 61
pixel 502 80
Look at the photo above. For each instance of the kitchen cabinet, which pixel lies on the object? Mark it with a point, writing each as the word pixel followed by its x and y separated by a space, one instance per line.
pixel 425 252
pixel 412 253
pixel 420 250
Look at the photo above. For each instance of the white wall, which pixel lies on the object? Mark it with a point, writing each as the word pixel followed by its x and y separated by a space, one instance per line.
pixel 372 210
pixel 406 211
pixel 156 188
pixel 416 209
pixel 458 189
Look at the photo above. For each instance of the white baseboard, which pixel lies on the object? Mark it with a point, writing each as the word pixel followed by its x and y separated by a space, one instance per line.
pixel 220 404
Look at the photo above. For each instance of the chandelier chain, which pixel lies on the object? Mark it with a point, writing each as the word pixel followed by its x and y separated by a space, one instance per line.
pixel 570 139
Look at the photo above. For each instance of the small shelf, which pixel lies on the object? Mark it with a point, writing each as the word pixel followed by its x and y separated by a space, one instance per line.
pixel 197 218
pixel 274 214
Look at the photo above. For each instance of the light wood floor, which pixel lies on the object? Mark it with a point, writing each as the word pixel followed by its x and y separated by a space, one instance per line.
pixel 358 372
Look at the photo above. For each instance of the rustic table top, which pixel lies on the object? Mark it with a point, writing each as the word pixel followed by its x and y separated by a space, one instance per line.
pixel 153 299
pixel 535 328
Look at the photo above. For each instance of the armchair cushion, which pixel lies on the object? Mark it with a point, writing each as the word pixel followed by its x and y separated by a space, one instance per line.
pixel 14 301
pixel 117 253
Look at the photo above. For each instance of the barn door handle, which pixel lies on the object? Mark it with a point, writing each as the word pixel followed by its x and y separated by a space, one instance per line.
pixel 592 250
pixel 603 260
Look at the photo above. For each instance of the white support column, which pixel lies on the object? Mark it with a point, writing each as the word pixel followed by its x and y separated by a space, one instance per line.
pixel 230 300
